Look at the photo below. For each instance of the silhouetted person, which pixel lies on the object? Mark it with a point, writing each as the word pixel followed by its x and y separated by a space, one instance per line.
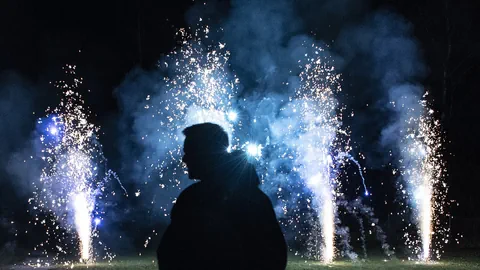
pixel 224 221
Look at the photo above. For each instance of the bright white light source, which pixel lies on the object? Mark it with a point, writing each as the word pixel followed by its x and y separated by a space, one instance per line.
pixel 83 206
pixel 97 221
pixel 53 130
pixel 254 150
pixel 232 116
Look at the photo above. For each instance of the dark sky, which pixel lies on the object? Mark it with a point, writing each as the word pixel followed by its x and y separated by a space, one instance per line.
pixel 37 38
pixel 107 39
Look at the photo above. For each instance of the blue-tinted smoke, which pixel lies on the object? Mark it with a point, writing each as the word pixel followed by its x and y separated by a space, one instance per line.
pixel 392 62
pixel 396 67
pixel 17 121
pixel 17 165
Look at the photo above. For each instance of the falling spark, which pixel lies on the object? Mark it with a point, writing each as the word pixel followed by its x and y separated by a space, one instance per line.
pixel 360 171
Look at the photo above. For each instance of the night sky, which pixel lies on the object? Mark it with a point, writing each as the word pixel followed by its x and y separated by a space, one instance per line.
pixel 109 39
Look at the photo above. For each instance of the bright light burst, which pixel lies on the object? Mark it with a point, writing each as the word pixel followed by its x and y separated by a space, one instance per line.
pixel 232 116
pixel 97 221
pixel 53 130
pixel 253 149
pixel 423 171
pixel 73 178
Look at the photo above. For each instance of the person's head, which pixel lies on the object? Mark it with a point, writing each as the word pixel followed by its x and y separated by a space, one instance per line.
pixel 204 145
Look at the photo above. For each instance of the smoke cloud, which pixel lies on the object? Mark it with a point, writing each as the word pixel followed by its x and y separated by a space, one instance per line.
pixel 17 166
pixel 17 118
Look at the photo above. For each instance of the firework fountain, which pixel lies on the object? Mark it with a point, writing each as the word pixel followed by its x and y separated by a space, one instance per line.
pixel 310 125
pixel 314 139
pixel 74 176
pixel 422 169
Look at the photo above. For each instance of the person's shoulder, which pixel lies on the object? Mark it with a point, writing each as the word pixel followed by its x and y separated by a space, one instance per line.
pixel 259 197
pixel 260 206
pixel 264 196
pixel 186 198
pixel 191 191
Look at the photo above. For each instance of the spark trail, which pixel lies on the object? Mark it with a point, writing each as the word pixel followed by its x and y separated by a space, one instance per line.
pixel 360 171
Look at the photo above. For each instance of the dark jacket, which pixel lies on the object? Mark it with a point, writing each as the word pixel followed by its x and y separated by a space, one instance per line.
pixel 224 223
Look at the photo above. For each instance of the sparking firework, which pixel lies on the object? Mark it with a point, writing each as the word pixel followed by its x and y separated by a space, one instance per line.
pixel 307 155
pixel 310 125
pixel 423 169
pixel 73 178
pixel 321 123
pixel 197 88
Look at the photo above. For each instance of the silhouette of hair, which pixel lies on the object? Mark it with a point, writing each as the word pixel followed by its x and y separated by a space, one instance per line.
pixel 209 138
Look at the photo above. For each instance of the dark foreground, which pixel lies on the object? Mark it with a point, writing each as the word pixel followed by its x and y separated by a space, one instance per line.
pixel 459 261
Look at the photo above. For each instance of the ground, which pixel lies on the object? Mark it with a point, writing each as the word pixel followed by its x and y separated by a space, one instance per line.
pixel 470 261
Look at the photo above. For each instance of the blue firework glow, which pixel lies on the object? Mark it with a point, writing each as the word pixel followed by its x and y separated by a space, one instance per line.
pixel 232 116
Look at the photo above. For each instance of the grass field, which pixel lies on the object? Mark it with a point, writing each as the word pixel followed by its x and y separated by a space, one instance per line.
pixel 470 261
